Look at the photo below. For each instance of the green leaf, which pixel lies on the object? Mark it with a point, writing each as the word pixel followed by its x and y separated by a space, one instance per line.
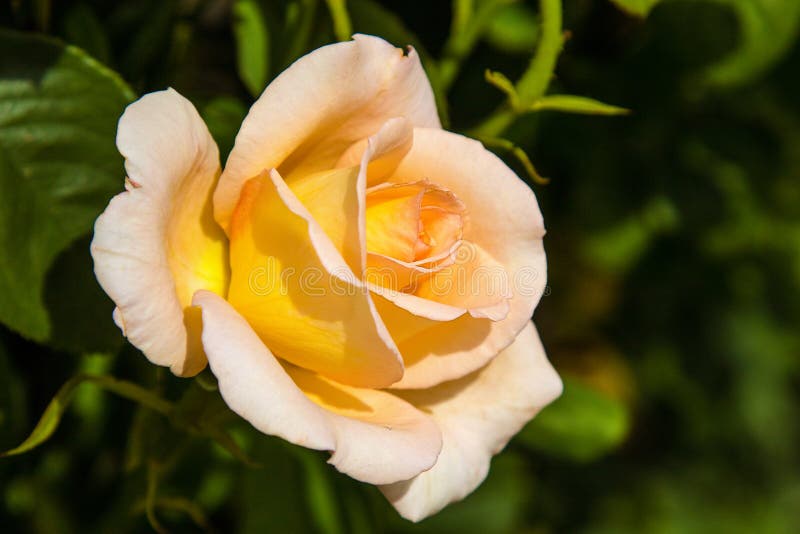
pixel 617 248
pixel 224 116
pixel 78 308
pixel 640 8
pixel 322 501
pixel 263 505
pixel 583 424
pixel 58 164
pixel 768 29
pixel 576 104
pixel 252 45
pixel 51 417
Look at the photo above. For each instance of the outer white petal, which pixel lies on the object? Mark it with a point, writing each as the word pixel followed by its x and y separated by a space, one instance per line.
pixel 157 242
pixel 478 415
pixel 374 436
pixel 321 105
pixel 505 223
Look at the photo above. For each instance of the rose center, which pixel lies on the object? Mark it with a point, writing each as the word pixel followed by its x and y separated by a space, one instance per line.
pixel 413 222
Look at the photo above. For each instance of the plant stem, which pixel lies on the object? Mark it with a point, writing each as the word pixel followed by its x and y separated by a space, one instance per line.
pixel 533 83
pixel 535 80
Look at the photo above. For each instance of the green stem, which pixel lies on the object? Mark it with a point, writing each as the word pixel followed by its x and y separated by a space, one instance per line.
pixel 131 391
pixel 466 28
pixel 535 80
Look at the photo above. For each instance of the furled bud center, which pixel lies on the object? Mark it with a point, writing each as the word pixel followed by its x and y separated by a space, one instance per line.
pixel 413 222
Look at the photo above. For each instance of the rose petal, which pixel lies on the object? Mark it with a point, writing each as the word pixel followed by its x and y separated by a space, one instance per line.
pixel 157 243
pixel 386 149
pixel 392 220
pixel 321 105
pixel 478 414
pixel 336 198
pixel 300 296
pixel 504 222
pixel 474 282
pixel 332 199
pixel 375 436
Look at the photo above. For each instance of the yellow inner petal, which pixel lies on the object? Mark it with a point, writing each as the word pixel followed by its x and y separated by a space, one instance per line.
pixel 301 311
pixel 414 221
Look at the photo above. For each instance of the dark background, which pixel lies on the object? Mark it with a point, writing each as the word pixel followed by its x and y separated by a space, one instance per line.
pixel 672 308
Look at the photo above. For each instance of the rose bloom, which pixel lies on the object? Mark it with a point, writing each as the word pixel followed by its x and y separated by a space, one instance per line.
pixel 359 280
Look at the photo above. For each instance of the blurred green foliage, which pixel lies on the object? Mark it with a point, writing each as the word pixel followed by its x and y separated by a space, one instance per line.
pixel 674 257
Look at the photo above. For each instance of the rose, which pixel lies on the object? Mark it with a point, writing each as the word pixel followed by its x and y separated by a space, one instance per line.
pixel 359 280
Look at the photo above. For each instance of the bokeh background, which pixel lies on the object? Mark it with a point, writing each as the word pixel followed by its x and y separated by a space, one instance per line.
pixel 673 299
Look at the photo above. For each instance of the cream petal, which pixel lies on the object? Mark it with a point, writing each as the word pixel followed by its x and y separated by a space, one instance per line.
pixel 474 282
pixel 321 105
pixel 477 414
pixel 157 242
pixel 504 222
pixel 373 436
pixel 385 150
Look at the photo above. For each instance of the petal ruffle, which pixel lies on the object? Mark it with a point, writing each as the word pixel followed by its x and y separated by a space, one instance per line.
pixel 505 223
pixel 157 243
pixel 374 436
pixel 321 105
pixel 478 415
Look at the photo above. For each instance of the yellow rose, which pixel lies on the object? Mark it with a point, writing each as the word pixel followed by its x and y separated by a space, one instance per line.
pixel 359 280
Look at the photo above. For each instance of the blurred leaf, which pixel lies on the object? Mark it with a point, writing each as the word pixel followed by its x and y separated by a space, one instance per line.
pixel 640 8
pixel 299 22
pixel 204 413
pixel 42 10
pixel 582 424
pixel 79 309
pixel 224 116
pixel 252 45
pixel 768 28
pixel 58 116
pixel 371 17
pixel 51 417
pixel 356 506
pixel 617 248
pixel 342 27
pixel 513 29
pixel 265 505
pixel 83 29
pixel 576 104
pixel 147 29
pixel 13 405
pixel 322 501
pixel 151 495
